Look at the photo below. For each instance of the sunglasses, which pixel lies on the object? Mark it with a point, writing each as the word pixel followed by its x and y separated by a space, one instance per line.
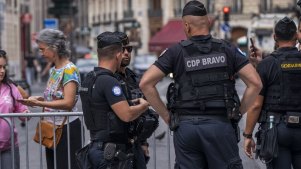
pixel 128 48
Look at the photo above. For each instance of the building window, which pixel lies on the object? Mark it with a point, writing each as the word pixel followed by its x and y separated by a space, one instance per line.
pixel 155 4
pixel 237 6
pixel 265 6
pixel 179 5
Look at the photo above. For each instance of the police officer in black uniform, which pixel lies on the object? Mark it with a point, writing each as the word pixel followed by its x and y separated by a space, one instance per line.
pixel 278 105
pixel 203 94
pixel 143 127
pixel 106 109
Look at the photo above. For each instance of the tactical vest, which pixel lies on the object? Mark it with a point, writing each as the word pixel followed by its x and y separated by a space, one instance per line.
pixel 130 85
pixel 208 82
pixel 145 124
pixel 96 117
pixel 285 95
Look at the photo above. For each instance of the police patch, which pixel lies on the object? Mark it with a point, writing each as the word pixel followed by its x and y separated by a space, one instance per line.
pixel 116 91
pixel 241 52
pixel 205 62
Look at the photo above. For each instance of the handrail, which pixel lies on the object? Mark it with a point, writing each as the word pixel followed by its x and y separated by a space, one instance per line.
pixel 41 114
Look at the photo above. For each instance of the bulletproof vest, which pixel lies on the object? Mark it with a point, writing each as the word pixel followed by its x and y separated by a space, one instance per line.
pixel 145 124
pixel 285 95
pixel 208 81
pixel 97 117
pixel 130 84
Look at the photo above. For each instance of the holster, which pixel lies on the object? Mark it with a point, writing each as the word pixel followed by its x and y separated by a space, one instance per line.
pixel 82 157
pixel 236 130
pixel 115 151
pixel 267 143
pixel 174 120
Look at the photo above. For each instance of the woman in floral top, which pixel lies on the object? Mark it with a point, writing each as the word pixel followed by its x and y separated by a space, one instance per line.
pixel 60 95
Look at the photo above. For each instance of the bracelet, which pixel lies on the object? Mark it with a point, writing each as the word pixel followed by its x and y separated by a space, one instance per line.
pixel 247 135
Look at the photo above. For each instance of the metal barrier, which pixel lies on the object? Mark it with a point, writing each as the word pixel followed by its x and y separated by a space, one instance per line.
pixel 9 116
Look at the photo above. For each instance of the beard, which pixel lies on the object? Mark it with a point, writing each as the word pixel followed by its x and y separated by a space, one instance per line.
pixel 125 63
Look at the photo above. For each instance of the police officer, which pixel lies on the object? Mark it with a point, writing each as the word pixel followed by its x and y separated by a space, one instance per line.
pixel 204 93
pixel 106 110
pixel 256 54
pixel 278 103
pixel 130 85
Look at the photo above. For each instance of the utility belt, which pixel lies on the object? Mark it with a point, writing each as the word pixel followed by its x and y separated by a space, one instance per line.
pixel 103 135
pixel 267 137
pixel 222 118
pixel 291 119
pixel 219 115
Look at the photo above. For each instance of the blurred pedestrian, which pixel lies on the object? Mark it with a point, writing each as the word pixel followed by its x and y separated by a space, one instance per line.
pixel 277 108
pixel 9 96
pixel 203 103
pixel 31 67
pixel 60 95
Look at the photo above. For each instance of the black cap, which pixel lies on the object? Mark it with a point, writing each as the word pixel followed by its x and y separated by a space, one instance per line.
pixel 285 29
pixel 123 37
pixel 194 8
pixel 107 39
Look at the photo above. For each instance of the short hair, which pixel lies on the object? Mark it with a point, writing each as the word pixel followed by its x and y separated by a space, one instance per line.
pixel 285 29
pixel 108 52
pixel 56 40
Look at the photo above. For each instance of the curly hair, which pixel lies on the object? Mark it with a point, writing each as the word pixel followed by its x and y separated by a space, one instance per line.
pixel 56 40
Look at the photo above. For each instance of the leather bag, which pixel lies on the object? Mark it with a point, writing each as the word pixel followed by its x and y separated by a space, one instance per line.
pixel 47 134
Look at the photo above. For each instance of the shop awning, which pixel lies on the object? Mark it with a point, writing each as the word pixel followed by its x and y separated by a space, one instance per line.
pixel 170 34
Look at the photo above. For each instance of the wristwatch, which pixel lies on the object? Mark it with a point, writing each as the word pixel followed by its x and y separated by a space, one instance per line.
pixel 247 135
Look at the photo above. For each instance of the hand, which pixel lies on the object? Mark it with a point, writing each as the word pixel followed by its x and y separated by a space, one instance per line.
pixel 249 146
pixel 39 98
pixel 25 118
pixel 145 150
pixel 29 102
pixel 143 102
pixel 255 56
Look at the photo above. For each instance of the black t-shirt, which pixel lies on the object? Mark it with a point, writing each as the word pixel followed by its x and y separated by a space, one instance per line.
pixel 171 60
pixel 268 69
pixel 107 89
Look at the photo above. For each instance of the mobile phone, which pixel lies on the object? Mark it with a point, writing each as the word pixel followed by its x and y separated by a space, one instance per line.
pixel 252 42
pixel 253 47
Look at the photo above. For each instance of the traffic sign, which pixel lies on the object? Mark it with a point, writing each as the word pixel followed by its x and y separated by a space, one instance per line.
pixel 226 27
pixel 52 23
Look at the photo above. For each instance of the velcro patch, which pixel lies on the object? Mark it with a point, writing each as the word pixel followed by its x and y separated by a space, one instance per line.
pixel 291 66
pixel 116 90
pixel 205 62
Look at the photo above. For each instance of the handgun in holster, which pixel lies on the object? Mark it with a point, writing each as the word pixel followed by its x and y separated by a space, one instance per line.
pixel 174 117
pixel 234 114
pixel 111 151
